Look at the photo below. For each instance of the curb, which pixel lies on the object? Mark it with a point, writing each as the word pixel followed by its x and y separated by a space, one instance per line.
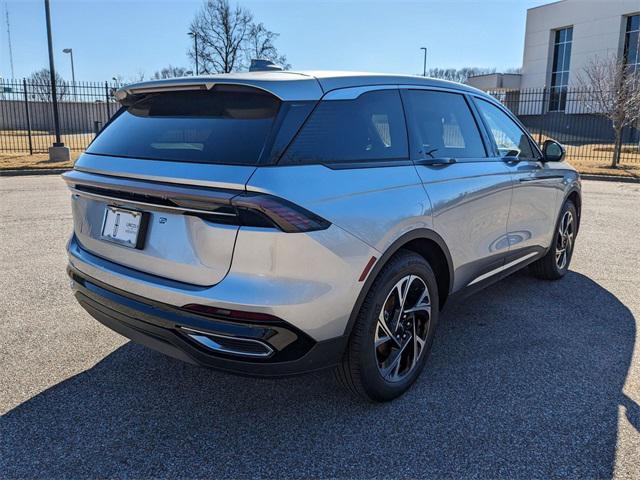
pixel 33 171
pixel 609 178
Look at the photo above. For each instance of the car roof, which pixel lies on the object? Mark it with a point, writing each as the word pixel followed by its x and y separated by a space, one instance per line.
pixel 290 85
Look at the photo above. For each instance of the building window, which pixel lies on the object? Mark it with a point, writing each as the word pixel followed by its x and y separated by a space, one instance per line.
pixel 632 43
pixel 560 69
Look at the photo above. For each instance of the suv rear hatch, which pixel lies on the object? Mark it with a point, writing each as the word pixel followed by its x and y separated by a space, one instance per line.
pixel 154 191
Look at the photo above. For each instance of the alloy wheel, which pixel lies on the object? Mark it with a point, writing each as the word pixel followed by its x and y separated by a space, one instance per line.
pixel 402 328
pixel 564 241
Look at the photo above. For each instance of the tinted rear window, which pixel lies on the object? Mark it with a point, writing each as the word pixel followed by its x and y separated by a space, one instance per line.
pixel 368 128
pixel 227 125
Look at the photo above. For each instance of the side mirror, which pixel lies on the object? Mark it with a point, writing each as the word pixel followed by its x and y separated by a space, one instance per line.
pixel 553 151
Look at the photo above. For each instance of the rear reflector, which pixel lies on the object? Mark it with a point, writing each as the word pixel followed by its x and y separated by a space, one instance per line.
pixel 235 315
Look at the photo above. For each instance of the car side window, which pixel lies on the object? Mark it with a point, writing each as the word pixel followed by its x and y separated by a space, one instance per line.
pixel 368 128
pixel 509 137
pixel 442 125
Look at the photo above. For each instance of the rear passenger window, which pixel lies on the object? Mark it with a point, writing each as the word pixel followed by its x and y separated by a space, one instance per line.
pixel 442 125
pixel 509 137
pixel 368 128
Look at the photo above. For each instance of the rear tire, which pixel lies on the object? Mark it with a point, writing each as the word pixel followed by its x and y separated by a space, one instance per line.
pixel 555 264
pixel 394 330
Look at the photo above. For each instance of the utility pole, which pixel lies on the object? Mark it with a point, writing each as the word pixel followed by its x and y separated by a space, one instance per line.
pixel 424 68
pixel 58 151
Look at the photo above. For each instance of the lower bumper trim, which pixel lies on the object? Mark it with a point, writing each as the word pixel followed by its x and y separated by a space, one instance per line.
pixel 170 331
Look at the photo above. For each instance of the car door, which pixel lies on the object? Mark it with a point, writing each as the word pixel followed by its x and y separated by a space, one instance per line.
pixel 470 191
pixel 535 184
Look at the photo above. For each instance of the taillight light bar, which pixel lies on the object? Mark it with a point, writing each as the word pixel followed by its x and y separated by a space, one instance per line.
pixel 250 209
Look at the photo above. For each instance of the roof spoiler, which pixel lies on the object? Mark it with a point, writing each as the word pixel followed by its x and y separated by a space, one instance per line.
pixel 128 95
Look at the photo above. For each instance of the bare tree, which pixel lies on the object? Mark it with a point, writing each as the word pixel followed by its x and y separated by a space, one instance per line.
pixel 222 33
pixel 459 74
pixel 611 89
pixel 40 86
pixel 260 46
pixel 138 77
pixel 170 72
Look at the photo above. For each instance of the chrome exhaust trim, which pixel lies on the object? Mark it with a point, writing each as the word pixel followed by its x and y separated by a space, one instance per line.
pixel 223 344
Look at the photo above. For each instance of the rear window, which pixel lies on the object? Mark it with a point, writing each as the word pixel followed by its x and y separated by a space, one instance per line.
pixel 369 128
pixel 227 125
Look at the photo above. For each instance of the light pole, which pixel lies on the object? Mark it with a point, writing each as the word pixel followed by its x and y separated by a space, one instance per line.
pixel 424 68
pixel 195 47
pixel 73 71
pixel 58 151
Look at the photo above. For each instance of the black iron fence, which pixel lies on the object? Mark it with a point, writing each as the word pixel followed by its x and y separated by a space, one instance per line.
pixel 571 117
pixel 26 114
pixel 574 118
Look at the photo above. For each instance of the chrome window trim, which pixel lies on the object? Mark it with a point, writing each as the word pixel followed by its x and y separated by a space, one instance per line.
pixel 352 93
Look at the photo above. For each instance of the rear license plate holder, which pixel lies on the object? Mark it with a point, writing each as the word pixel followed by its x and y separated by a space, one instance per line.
pixel 124 226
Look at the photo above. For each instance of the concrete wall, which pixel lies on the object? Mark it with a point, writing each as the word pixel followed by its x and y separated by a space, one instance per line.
pixel 598 30
pixel 493 81
pixel 75 117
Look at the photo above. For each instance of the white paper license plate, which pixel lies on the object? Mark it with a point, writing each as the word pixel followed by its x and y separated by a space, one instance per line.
pixel 124 227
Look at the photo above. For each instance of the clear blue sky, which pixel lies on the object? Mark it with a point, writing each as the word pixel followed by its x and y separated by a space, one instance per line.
pixel 126 37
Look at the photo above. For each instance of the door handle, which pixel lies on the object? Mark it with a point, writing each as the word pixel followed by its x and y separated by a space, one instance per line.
pixel 436 161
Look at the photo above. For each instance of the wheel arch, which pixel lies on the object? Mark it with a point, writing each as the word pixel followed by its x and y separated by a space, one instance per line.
pixel 575 196
pixel 424 242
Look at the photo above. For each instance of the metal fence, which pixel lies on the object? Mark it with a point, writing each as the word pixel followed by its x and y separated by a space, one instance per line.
pixel 26 114
pixel 568 116
pixel 573 118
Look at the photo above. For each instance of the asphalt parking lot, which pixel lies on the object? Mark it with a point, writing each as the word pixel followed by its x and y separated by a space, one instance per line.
pixel 527 379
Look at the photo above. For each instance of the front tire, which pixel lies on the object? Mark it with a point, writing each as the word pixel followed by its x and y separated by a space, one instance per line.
pixel 394 330
pixel 555 264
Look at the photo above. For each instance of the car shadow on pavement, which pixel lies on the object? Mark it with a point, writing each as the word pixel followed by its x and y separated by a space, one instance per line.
pixel 525 380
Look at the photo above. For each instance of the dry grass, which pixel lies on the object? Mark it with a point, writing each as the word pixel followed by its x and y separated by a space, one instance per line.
pixel 23 161
pixel 596 160
pixel 15 141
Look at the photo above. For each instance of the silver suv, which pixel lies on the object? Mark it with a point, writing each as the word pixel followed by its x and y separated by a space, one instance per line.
pixel 274 223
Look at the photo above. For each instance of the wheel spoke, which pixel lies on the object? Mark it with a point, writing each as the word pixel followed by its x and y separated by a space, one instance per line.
pixel 381 340
pixel 382 325
pixel 422 305
pixel 392 369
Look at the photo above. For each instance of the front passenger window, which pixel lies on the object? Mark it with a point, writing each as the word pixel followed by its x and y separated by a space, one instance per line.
pixel 442 125
pixel 509 137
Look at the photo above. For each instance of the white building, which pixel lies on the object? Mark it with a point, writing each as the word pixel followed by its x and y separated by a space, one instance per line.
pixel 562 37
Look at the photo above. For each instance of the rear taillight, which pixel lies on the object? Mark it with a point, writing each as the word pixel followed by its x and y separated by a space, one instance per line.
pixel 287 216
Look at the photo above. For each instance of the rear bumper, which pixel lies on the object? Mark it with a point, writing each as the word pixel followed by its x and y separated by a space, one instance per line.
pixel 167 329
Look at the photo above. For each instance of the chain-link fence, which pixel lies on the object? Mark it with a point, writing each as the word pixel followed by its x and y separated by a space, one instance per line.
pixel 26 114
pixel 574 118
